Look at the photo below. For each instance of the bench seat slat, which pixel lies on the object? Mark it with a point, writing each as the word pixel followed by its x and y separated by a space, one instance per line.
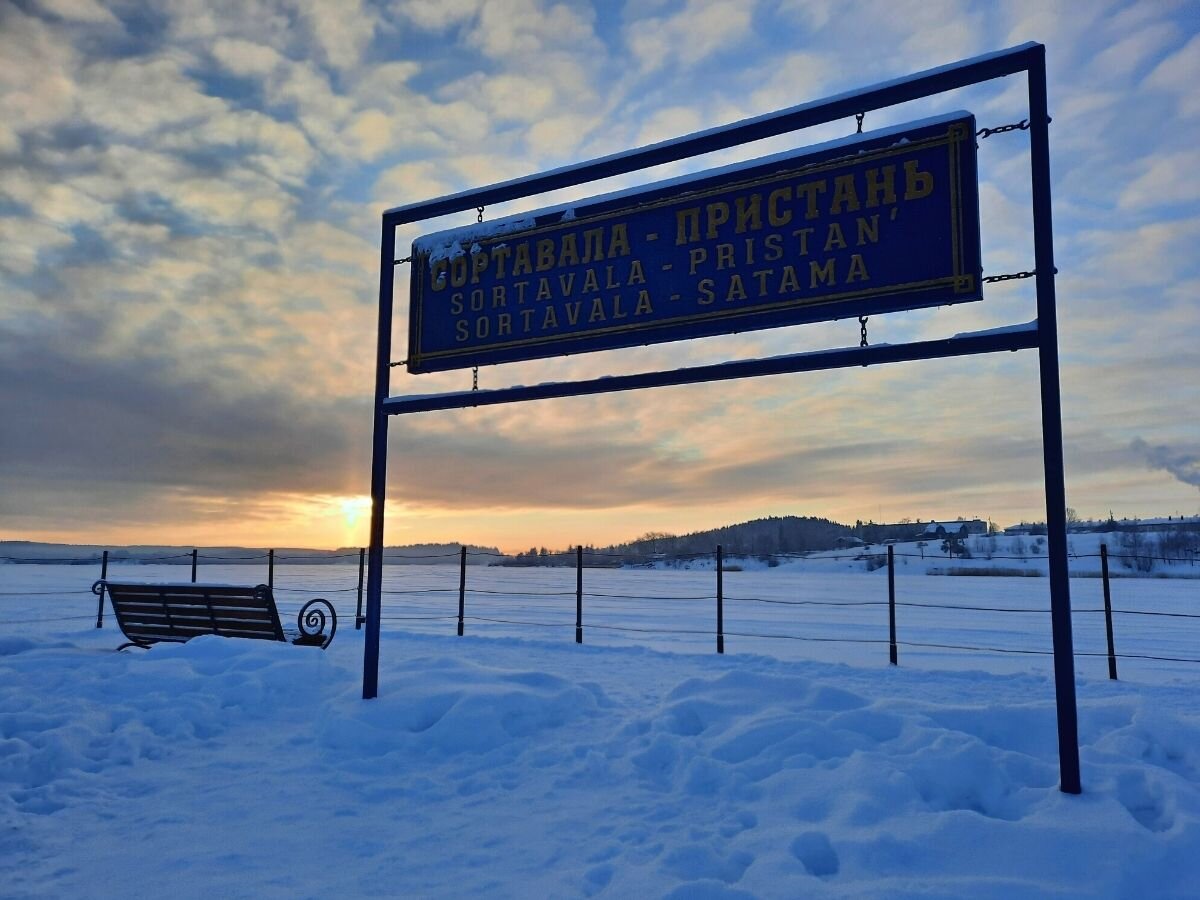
pixel 171 609
pixel 193 599
pixel 194 612
pixel 182 592
pixel 202 624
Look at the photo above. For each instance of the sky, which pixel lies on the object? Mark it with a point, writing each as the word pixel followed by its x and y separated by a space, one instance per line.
pixel 190 201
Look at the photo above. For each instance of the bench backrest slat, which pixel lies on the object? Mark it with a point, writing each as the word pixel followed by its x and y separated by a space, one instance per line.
pixel 148 613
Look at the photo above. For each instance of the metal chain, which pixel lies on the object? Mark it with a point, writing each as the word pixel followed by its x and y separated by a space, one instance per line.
pixel 1014 276
pixel 400 262
pixel 475 370
pixel 862 327
pixel 859 118
pixel 984 133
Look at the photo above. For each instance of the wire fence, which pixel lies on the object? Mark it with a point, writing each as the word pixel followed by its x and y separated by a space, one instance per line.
pixel 509 599
pixel 565 559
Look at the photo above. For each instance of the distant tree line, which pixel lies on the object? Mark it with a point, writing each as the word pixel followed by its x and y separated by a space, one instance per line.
pixel 759 537
pixel 1141 551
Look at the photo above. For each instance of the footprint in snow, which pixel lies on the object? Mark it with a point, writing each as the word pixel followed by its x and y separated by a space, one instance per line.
pixel 698 861
pixel 816 853
pixel 1144 801
pixel 597 878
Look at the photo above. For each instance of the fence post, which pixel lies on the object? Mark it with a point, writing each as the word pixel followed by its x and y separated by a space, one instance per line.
pixel 271 568
pixel 892 604
pixel 195 554
pixel 579 594
pixel 720 601
pixel 1112 653
pixel 358 616
pixel 100 599
pixel 462 588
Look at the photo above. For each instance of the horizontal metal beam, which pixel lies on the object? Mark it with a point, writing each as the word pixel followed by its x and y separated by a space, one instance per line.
pixel 1019 338
pixel 817 112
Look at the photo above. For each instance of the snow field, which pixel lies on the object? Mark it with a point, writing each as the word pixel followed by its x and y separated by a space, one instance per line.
pixel 514 763
pixel 528 768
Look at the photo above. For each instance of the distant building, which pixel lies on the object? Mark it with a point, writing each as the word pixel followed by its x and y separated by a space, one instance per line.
pixel 876 533
pixel 873 533
pixel 1170 523
pixel 1158 523
pixel 961 528
pixel 1083 526
pixel 1025 528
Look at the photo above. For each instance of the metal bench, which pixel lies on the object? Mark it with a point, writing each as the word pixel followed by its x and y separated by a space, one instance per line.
pixel 150 613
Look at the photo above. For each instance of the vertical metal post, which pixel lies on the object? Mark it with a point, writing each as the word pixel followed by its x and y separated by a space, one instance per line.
pixel 462 589
pixel 383 354
pixel 720 601
pixel 1112 653
pixel 195 556
pixel 100 599
pixel 362 561
pixel 271 568
pixel 1052 440
pixel 892 655
pixel 579 594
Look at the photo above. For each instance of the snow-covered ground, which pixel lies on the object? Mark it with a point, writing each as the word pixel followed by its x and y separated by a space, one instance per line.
pixel 512 762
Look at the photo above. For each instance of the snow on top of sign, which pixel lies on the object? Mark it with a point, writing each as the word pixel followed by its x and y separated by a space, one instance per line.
pixel 1003 329
pixel 449 243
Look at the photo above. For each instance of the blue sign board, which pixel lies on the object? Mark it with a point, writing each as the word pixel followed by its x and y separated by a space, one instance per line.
pixel 879 222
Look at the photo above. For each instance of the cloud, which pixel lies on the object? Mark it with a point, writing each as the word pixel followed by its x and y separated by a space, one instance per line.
pixel 1123 58
pixel 813 14
pixel 132 98
pixel 88 11
pixel 438 15
pixel 36 83
pixel 667 123
pixel 246 58
pixel 513 29
pixel 1183 465
pixel 789 80
pixel 189 200
pixel 341 30
pixel 412 181
pixel 1178 74
pixel 698 30
pixel 1166 180
pixel 130 426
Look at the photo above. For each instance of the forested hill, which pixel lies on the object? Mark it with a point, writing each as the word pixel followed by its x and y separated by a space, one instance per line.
pixel 777 534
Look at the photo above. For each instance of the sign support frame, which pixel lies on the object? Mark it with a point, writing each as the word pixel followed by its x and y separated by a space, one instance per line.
pixel 1029 58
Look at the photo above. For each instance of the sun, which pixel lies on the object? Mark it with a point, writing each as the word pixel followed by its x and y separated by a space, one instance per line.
pixel 353 510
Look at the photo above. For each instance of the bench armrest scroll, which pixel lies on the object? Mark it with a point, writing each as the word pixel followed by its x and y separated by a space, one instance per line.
pixel 315 616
